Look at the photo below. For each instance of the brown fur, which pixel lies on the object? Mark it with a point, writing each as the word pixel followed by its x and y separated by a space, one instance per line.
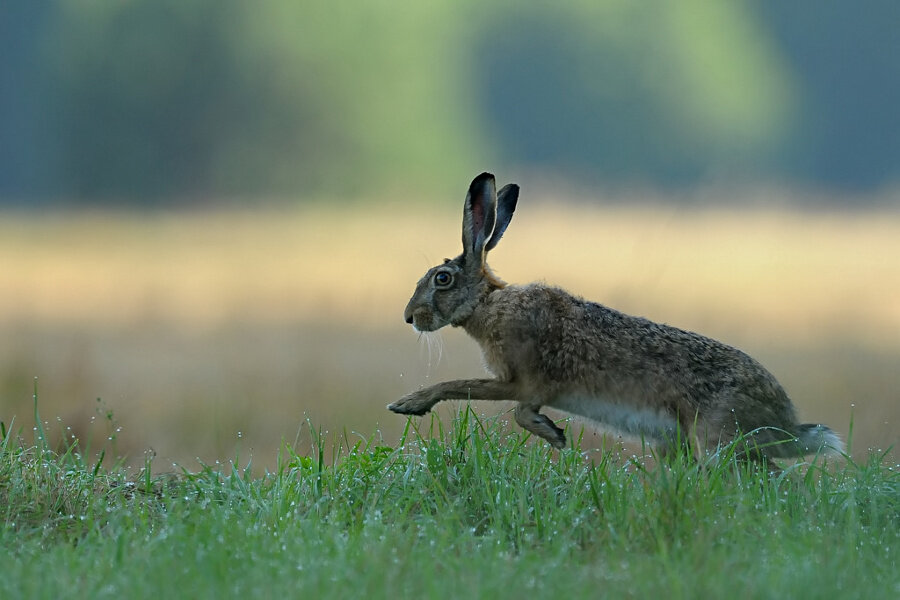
pixel 549 348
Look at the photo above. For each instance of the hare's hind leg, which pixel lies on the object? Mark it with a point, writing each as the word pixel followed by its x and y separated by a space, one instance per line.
pixel 540 425
pixel 688 439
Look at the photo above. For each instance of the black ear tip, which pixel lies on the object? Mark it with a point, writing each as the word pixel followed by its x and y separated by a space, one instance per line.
pixel 482 179
pixel 509 195
pixel 512 189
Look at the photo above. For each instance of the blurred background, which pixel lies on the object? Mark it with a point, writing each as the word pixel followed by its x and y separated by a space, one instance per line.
pixel 212 213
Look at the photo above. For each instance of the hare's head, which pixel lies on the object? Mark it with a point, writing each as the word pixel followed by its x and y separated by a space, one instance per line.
pixel 449 292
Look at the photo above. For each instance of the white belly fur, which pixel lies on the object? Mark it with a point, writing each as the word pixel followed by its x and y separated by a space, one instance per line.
pixel 638 422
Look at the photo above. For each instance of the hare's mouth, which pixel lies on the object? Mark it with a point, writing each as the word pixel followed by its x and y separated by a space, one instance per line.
pixel 422 320
pixel 424 326
pixel 426 322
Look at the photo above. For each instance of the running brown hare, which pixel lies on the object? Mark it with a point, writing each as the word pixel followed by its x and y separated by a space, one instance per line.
pixel 547 347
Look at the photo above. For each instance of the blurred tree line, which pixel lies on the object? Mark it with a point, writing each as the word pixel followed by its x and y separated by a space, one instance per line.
pixel 162 101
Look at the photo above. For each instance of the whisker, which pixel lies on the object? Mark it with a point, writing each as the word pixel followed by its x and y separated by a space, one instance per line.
pixel 434 344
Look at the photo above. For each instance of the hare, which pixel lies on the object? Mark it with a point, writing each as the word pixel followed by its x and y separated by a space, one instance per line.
pixel 547 347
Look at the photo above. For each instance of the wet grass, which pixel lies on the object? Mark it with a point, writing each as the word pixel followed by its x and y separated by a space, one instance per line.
pixel 459 508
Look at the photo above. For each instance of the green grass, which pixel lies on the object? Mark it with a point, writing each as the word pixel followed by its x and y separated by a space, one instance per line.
pixel 460 509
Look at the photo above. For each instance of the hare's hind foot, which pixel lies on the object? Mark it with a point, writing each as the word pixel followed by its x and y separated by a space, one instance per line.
pixel 540 425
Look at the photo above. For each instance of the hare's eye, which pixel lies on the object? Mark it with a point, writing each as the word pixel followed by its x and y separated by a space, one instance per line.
pixel 442 278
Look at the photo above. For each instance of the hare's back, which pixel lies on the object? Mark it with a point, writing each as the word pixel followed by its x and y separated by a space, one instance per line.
pixel 574 339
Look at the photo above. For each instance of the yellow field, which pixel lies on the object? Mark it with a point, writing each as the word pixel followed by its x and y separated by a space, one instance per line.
pixel 195 327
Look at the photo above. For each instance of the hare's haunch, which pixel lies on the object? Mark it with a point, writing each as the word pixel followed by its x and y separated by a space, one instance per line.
pixel 546 347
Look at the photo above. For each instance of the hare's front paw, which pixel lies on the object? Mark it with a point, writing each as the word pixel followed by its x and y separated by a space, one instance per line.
pixel 541 425
pixel 415 403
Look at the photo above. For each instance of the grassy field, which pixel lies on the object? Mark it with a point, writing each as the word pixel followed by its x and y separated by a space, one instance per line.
pixel 458 509
pixel 239 365
pixel 208 334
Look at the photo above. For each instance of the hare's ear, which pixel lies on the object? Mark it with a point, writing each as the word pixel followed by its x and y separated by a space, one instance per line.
pixel 506 206
pixel 479 215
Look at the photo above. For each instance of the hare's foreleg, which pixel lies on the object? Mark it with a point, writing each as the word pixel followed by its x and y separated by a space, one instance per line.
pixel 540 425
pixel 421 401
